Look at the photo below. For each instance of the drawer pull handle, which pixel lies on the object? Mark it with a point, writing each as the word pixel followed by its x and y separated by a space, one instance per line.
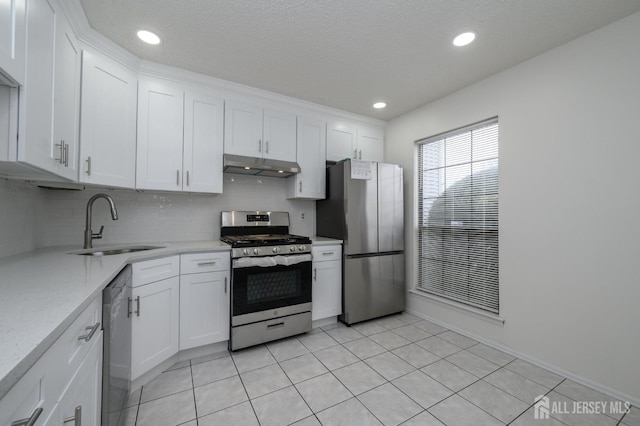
pixel 213 262
pixel 276 325
pixel 138 306
pixel 29 421
pixel 129 312
pixel 77 417
pixel 225 285
pixel 93 329
pixel 327 253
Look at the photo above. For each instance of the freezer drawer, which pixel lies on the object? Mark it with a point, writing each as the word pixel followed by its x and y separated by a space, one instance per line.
pixel 373 286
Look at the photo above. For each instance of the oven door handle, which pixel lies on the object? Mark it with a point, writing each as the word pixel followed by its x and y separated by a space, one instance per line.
pixel 268 261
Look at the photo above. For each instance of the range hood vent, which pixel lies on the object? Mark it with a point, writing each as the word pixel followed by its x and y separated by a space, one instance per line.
pixel 240 164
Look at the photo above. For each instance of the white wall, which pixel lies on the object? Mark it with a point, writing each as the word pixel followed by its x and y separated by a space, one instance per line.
pixel 169 216
pixel 569 204
pixel 22 217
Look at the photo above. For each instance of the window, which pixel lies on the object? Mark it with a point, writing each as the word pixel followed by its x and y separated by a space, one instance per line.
pixel 458 215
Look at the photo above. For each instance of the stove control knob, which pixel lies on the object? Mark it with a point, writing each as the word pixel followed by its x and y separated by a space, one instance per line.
pixel 245 252
pixel 302 248
pixel 276 249
pixel 292 248
pixel 256 251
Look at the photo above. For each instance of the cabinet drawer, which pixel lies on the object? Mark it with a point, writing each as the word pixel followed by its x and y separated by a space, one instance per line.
pixel 155 270
pixel 75 342
pixel 204 262
pixel 26 399
pixel 325 253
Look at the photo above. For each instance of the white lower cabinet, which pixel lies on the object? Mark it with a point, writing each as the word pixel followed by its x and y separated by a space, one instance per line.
pixel 68 374
pixel 204 299
pixel 154 329
pixel 327 282
pixel 81 401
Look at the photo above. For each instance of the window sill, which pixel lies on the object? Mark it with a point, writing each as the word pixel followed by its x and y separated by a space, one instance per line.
pixel 460 307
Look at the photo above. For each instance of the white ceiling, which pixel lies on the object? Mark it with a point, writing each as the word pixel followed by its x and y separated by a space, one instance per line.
pixel 347 54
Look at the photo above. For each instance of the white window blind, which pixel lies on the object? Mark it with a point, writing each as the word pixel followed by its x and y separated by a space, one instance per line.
pixel 458 215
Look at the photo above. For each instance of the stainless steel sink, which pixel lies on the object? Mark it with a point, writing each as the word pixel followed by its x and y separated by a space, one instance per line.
pixel 107 251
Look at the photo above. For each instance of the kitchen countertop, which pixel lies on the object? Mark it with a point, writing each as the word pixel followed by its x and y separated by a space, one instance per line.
pixel 44 291
pixel 324 241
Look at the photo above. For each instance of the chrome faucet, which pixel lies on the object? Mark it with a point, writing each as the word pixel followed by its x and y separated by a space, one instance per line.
pixel 89 236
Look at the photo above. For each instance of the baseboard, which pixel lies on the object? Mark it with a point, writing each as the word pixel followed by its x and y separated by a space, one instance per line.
pixel 553 368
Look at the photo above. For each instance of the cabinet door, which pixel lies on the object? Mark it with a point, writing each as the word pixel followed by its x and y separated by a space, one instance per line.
pixel 160 134
pixel 341 140
pixel 66 90
pixel 327 290
pixel 203 143
pixel 12 40
pixel 83 395
pixel 243 129
pixel 204 309
pixel 36 98
pixel 370 144
pixel 279 135
pixel 155 324
pixel 312 142
pixel 107 122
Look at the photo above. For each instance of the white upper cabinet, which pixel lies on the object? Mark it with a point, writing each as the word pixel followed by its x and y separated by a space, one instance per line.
pixel 311 142
pixel 256 132
pixel 348 140
pixel 107 122
pixel 243 129
pixel 180 133
pixel 12 41
pixel 341 140
pixel 369 143
pixel 66 98
pixel 50 99
pixel 160 127
pixel 203 144
pixel 279 133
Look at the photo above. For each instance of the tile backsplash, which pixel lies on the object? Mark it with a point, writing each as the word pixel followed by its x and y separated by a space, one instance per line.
pixel 23 216
pixel 32 217
pixel 171 216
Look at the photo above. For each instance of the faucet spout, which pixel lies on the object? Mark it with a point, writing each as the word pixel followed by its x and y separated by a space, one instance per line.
pixel 89 236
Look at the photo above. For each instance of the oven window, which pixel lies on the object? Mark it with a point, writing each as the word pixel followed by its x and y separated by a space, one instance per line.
pixel 269 286
pixel 256 289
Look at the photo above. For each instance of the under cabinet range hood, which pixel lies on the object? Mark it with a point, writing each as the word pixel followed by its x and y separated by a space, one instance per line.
pixel 240 164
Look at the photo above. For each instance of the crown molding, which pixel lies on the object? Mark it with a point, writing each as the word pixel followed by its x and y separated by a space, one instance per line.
pixel 224 88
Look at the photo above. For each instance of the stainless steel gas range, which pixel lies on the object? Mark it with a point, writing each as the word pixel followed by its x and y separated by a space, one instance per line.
pixel 270 277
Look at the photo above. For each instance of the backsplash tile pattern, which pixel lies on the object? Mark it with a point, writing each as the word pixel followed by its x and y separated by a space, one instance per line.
pixel 23 217
pixel 146 217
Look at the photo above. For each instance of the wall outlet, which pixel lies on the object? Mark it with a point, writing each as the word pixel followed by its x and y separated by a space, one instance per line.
pixel 302 216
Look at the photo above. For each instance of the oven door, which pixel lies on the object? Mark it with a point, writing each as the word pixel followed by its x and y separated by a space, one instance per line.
pixel 265 287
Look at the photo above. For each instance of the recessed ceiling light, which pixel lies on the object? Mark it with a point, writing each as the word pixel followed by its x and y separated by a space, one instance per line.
pixel 464 39
pixel 379 105
pixel 148 37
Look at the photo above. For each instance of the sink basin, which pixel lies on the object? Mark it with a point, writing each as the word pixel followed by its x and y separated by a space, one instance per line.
pixel 107 251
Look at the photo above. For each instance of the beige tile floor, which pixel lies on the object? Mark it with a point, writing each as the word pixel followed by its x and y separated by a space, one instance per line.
pixel 396 370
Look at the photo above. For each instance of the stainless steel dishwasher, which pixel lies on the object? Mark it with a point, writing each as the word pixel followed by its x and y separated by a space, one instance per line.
pixel 116 363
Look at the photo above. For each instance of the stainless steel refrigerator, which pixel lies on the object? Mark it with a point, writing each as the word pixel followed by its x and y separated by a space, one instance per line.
pixel 364 207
